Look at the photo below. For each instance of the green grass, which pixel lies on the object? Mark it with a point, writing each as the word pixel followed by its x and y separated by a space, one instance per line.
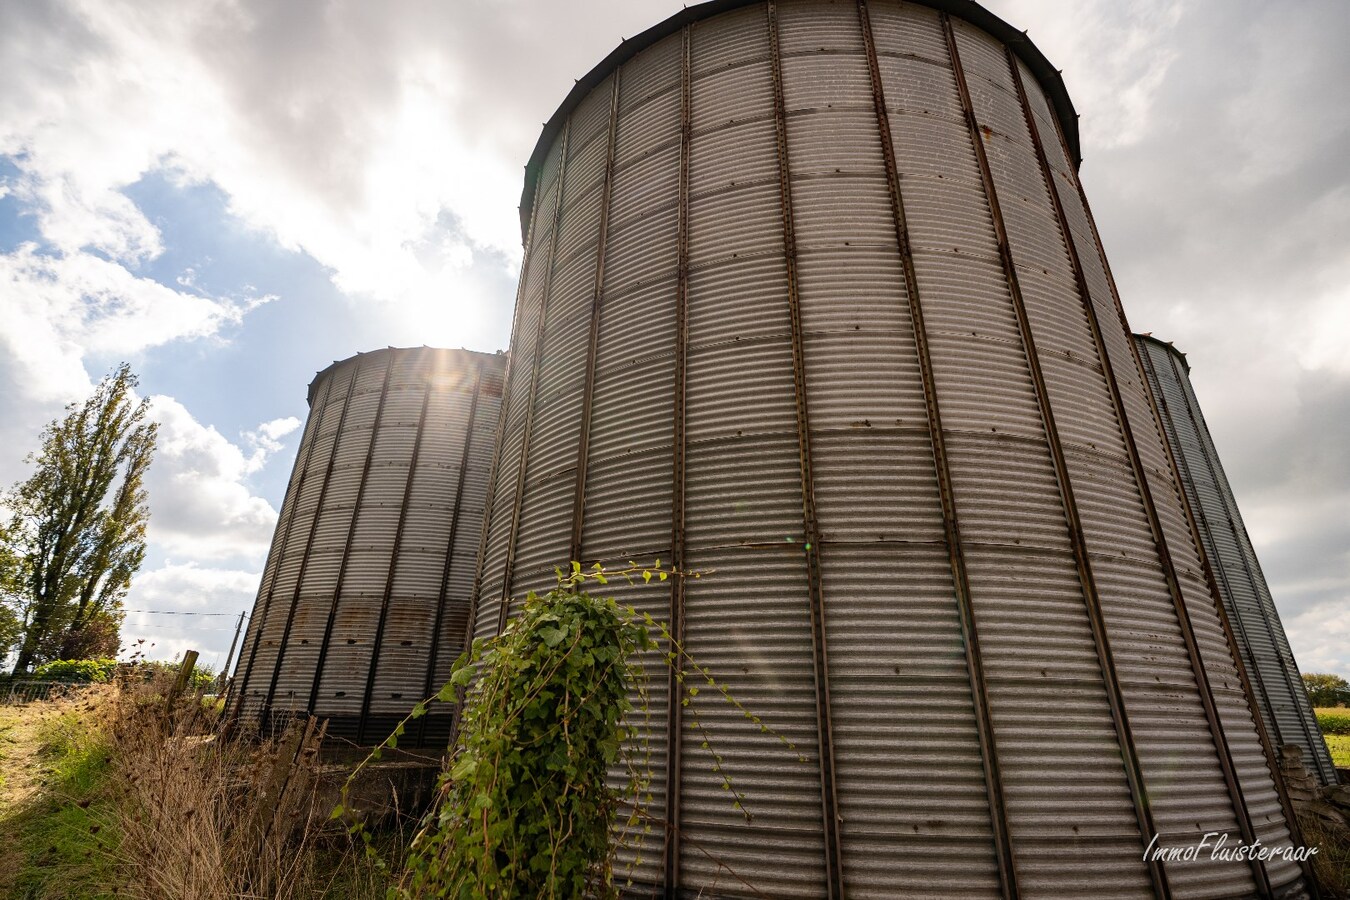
pixel 1339 745
pixel 61 842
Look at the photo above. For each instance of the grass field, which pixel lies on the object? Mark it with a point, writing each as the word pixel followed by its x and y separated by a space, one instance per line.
pixel 1339 745
pixel 1335 725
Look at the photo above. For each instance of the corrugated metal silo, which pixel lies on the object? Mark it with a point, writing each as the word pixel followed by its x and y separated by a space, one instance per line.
pixel 812 301
pixel 364 599
pixel 1280 694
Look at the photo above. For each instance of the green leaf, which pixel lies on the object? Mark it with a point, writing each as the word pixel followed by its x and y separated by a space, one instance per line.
pixel 551 636
pixel 462 678
pixel 419 709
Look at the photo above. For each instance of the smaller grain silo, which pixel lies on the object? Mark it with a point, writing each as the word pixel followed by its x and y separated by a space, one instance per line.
pixel 364 599
pixel 1274 675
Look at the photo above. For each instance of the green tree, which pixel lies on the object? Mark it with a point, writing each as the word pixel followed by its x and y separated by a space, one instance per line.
pixel 77 535
pixel 11 582
pixel 1326 690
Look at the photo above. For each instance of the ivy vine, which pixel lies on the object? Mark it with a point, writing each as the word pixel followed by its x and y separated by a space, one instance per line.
pixel 524 807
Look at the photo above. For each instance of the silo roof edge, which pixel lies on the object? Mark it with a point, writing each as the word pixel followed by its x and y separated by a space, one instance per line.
pixel 1046 75
pixel 1166 345
pixel 366 354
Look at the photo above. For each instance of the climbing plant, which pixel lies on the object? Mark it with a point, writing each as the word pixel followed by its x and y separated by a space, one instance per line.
pixel 525 807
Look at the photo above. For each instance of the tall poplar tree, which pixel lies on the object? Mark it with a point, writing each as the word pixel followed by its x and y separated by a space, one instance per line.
pixel 78 529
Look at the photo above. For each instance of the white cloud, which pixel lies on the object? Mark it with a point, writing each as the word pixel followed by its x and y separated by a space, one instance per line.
pixel 185 606
pixel 60 308
pixel 332 142
pixel 200 505
pixel 266 440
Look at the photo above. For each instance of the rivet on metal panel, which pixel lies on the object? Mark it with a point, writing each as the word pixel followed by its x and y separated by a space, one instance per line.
pixel 280 548
pixel 387 597
pixel 674 723
pixel 588 389
pixel 998 817
pixel 519 498
pixel 820 652
pixel 429 685
pixel 309 546
pixel 1134 774
pixel 1225 760
pixel 351 536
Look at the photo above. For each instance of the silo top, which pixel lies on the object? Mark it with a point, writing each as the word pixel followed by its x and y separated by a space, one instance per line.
pixel 1047 75
pixel 1169 347
pixel 466 355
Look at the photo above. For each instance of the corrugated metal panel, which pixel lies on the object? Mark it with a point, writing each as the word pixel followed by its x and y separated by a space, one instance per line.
pixel 912 29
pixel 806 26
pixel 730 40
pixel 916 820
pixel 749 624
pixel 380 540
pixel 724 97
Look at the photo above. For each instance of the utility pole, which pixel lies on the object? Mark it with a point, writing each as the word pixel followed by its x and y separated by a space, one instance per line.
pixel 229 658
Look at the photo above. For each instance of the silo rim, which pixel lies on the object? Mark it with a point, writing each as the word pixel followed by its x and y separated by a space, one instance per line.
pixel 368 354
pixel 1166 345
pixel 1046 74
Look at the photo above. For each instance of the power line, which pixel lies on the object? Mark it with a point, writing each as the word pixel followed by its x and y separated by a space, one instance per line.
pixel 178 612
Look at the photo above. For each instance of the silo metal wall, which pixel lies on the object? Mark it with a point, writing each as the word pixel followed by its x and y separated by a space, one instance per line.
pixel 364 600
pixel 1279 690
pixel 812 303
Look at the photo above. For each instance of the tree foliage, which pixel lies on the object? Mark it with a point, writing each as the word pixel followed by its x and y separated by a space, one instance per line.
pixel 77 532
pixel 1326 690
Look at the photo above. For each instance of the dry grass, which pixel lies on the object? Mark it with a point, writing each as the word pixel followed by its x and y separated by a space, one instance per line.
pixel 204 818
pixel 157 804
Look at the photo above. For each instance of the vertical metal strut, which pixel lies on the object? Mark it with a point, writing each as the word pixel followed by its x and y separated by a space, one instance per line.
pixel 820 653
pixel 529 412
pixel 368 694
pixel 1134 774
pixel 1225 758
pixel 284 532
pixel 674 681
pixel 588 389
pixel 429 685
pixel 979 695
pixel 309 542
pixel 347 545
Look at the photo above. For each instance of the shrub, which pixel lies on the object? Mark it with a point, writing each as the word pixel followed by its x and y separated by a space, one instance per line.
pixel 1334 721
pixel 524 809
pixel 82 670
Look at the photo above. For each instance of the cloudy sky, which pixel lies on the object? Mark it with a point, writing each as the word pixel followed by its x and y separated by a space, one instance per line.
pixel 231 194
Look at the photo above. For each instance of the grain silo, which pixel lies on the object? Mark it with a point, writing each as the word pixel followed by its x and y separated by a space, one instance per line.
pixel 812 302
pixel 364 599
pixel 1280 695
